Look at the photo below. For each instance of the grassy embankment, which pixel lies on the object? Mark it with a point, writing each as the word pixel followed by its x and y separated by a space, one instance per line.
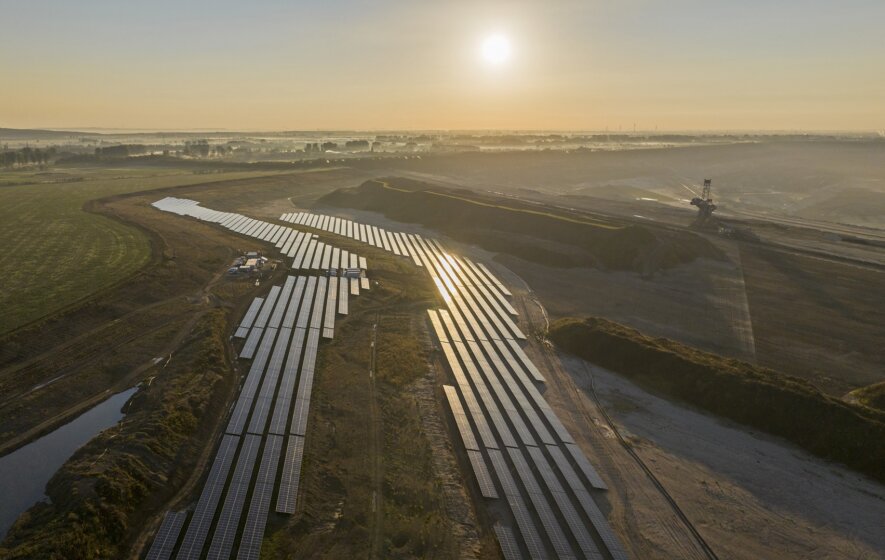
pixel 548 236
pixel 758 397
pixel 872 396
pixel 104 494
pixel 60 254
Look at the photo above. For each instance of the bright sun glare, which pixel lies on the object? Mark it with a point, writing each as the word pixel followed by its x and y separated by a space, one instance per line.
pixel 496 49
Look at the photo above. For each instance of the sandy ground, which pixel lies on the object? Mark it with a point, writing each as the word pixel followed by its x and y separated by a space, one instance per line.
pixel 753 496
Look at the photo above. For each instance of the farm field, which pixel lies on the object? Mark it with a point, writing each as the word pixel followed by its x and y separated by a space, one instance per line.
pixel 63 254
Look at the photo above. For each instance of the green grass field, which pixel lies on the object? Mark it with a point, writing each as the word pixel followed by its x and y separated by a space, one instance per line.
pixel 57 254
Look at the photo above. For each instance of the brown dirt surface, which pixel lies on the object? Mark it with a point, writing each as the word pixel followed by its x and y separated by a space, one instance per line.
pixel 557 237
pixel 816 318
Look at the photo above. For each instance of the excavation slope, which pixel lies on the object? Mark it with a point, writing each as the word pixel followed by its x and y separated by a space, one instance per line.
pixel 758 397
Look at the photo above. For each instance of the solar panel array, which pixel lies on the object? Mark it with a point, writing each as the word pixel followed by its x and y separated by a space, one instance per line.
pixel 501 416
pixel 497 381
pixel 394 242
pixel 271 412
pixel 306 251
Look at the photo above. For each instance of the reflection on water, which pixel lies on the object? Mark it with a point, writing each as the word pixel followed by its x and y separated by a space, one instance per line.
pixel 25 472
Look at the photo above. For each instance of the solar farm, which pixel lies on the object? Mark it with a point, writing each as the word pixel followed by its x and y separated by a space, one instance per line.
pixel 519 459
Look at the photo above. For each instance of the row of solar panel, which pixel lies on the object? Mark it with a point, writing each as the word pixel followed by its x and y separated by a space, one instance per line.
pixel 295 309
pixel 266 316
pixel 304 248
pixel 479 278
pixel 585 542
pixel 395 242
pixel 489 352
pixel 281 305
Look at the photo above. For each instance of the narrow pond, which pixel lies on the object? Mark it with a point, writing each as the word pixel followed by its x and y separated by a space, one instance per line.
pixel 25 472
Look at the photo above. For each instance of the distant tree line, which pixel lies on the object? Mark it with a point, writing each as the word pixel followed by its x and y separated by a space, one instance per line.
pixel 122 151
pixel 312 147
pixel 202 148
pixel 26 156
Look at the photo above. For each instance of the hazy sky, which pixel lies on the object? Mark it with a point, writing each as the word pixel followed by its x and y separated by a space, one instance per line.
pixel 330 64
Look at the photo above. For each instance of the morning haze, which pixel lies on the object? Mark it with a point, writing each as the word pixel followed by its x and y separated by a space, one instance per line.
pixel 447 280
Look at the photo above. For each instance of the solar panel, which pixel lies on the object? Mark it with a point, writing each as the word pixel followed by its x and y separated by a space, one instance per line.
pixel 260 411
pixel 542 507
pixel 318 255
pixel 391 244
pixel 343 289
pixel 476 412
pixel 331 307
pixel 589 472
pixel 521 355
pixel 277 232
pixel 283 238
pixel 294 301
pixel 291 474
pixel 299 415
pixel 527 527
pixel 354 286
pixel 502 471
pixel 316 318
pixel 491 406
pixel 280 418
pixel 262 230
pixel 279 309
pixel 494 280
pixel 262 495
pixel 287 242
pixel 299 257
pixel 507 541
pixel 436 320
pixel 327 258
pixel 522 404
pixel 167 536
pixel 560 430
pixel 251 313
pixel 251 344
pixel 308 301
pixel 460 417
pixel 563 504
pixel 244 402
pixel 198 528
pixel 481 471
pixel 306 257
pixel 267 308
pixel 226 528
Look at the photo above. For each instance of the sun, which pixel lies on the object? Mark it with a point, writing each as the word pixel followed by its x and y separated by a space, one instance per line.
pixel 496 49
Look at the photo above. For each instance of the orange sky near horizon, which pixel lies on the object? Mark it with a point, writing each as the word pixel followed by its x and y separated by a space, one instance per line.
pixel 274 65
